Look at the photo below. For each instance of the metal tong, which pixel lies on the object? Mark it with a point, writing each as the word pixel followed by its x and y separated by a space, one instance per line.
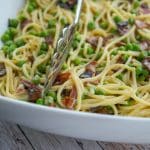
pixel 62 50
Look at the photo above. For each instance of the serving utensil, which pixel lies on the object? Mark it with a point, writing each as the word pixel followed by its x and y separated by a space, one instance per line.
pixel 62 50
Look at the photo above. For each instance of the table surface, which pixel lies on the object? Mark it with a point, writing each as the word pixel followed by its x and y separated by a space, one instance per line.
pixel 15 137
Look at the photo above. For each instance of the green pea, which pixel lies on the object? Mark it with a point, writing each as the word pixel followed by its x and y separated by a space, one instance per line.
pixel 34 33
pixel 44 33
pixel 136 4
pixel 48 100
pixel 36 80
pixel 120 76
pixel 32 6
pixel 21 63
pixel 13 23
pixel 99 55
pixel 53 95
pixel 40 101
pixel 128 46
pixel 133 11
pixel 131 65
pixel 75 44
pixel 81 52
pixel 12 32
pixel 96 14
pixel 52 23
pixel 130 102
pixel 104 25
pixel 20 43
pixel 125 57
pixel 52 32
pixel 131 21
pixel 77 61
pixel 77 37
pixel 41 52
pixel 63 21
pixel 21 17
pixel 142 55
pixel 5 37
pixel 42 68
pixel 9 43
pixel 139 70
pixel 91 26
pixel 145 72
pixel 135 47
pixel 44 46
pixel 122 48
pixel 12 47
pixel 74 8
pixel 114 31
pixel 90 51
pixel 141 73
pixel 65 66
pixel 117 19
pixel 99 92
pixel 5 49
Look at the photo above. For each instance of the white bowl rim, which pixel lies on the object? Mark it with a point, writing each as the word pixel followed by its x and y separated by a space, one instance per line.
pixel 71 112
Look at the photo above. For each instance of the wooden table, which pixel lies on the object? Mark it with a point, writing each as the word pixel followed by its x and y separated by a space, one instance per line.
pixel 15 137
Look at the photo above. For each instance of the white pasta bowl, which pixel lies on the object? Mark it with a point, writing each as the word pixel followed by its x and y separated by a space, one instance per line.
pixel 65 122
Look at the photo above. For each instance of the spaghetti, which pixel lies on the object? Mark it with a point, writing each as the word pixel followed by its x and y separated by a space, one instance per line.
pixel 107 70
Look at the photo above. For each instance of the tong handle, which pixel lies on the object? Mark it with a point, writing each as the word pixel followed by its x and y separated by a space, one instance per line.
pixel 62 50
pixel 78 12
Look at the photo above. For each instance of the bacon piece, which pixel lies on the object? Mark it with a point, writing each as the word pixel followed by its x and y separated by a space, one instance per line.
pixel 140 24
pixel 93 41
pixel 49 40
pixel 86 74
pixel 62 78
pixel 24 23
pixel 66 92
pixel 73 93
pixel 101 110
pixel 69 101
pixel 72 2
pixel 91 66
pixel 96 82
pixel 144 9
pixel 90 70
pixel 145 45
pixel 2 70
pixel 20 89
pixel 121 44
pixel 68 4
pixel 34 91
pixel 123 27
pixel 146 63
